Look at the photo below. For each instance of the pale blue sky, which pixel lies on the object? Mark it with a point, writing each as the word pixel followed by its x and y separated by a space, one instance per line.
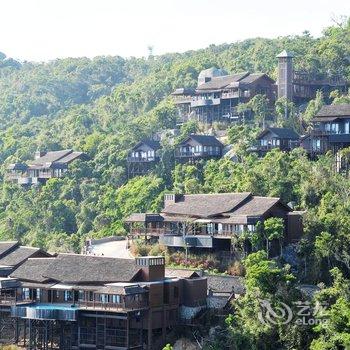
pixel 45 29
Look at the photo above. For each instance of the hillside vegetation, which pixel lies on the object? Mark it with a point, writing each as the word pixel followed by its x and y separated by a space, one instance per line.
pixel 105 105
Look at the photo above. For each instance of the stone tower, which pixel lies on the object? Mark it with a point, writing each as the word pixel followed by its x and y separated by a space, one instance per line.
pixel 285 75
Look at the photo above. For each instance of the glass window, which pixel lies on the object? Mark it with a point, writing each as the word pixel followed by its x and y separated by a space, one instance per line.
pixel 335 128
pixel 68 296
pixel 26 293
pixel 251 228
pixel 103 298
pixel 316 145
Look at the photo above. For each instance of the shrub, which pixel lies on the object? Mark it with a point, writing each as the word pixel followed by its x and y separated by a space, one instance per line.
pixel 236 269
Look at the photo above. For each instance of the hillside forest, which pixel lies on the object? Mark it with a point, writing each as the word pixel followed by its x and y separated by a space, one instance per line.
pixel 104 106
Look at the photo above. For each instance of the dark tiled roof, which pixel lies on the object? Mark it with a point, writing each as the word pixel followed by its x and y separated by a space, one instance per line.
pixel 184 91
pixel 33 270
pixel 251 78
pixel 70 157
pixel 18 166
pixel 203 205
pixel 19 255
pixel 225 284
pixel 257 206
pixel 205 140
pixel 282 133
pixel 7 246
pixel 79 269
pixel 341 110
pixel 74 268
pixel 121 290
pixel 144 217
pixel 51 157
pixel 151 143
pixel 221 82
pixel 181 273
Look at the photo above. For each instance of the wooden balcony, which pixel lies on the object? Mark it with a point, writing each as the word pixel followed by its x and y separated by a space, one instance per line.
pixel 98 305
pixel 7 300
pixel 190 154
pixel 149 231
pixel 183 100
pixel 228 95
pixel 142 159
pixel 11 300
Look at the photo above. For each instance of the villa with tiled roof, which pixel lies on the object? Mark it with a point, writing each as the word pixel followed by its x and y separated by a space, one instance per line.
pixel 212 220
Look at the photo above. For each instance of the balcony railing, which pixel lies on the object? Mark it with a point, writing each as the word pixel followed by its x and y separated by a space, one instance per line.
pixel 11 300
pixel 179 233
pixel 142 159
pixel 113 306
pixel 188 154
pixel 201 102
pixel 148 231
pixel 234 94
pixel 7 300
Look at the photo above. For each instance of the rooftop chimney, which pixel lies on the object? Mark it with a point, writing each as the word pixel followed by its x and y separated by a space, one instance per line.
pixel 38 154
pixel 153 267
pixel 170 198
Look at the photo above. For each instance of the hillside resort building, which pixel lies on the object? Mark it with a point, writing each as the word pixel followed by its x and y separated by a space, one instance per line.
pixel 46 165
pixel 210 221
pixel 218 94
pixel 72 301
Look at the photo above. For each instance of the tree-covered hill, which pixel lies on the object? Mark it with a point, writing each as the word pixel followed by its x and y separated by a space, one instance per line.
pixel 105 105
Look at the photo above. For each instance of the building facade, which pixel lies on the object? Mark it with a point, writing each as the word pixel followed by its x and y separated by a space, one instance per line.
pixel 143 157
pixel 196 147
pixel 210 221
pixel 330 133
pixel 301 87
pixel 283 139
pixel 218 94
pixel 75 301
pixel 46 165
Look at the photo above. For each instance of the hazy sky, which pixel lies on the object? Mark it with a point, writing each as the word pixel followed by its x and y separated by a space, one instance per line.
pixel 45 29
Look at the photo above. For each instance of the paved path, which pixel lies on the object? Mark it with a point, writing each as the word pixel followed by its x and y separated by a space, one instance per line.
pixel 115 249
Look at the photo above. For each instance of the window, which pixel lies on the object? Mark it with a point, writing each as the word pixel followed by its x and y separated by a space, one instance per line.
pixel 103 298
pixel 238 228
pixel 38 294
pixel 347 127
pixel 68 296
pixel 335 128
pixel 251 228
pixel 116 299
pixel 316 145
pixel 26 293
